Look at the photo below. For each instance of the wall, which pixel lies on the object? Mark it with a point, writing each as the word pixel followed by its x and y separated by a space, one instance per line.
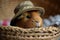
pixel 7 8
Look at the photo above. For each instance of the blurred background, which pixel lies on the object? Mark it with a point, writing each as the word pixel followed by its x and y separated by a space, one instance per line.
pixel 51 16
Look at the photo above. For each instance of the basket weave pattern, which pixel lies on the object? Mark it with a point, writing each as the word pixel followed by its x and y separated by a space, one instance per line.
pixel 16 33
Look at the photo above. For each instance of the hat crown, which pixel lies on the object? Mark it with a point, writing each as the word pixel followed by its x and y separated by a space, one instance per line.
pixel 23 5
pixel 26 3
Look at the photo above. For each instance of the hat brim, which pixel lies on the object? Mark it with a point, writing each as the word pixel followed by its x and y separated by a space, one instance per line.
pixel 42 11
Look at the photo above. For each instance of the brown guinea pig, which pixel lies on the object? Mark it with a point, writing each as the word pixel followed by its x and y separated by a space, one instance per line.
pixel 30 19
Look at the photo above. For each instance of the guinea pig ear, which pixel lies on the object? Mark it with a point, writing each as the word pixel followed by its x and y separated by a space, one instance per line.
pixel 13 22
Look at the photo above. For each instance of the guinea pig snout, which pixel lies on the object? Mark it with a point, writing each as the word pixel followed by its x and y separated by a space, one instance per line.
pixel 37 24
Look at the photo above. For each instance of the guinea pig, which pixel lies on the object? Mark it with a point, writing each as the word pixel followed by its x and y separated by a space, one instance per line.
pixel 30 19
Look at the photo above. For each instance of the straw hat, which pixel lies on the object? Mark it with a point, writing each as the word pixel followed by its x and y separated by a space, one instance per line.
pixel 23 7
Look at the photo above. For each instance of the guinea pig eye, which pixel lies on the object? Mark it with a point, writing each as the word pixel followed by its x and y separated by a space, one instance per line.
pixel 28 16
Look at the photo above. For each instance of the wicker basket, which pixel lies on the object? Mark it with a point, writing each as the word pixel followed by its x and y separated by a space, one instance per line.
pixel 16 33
